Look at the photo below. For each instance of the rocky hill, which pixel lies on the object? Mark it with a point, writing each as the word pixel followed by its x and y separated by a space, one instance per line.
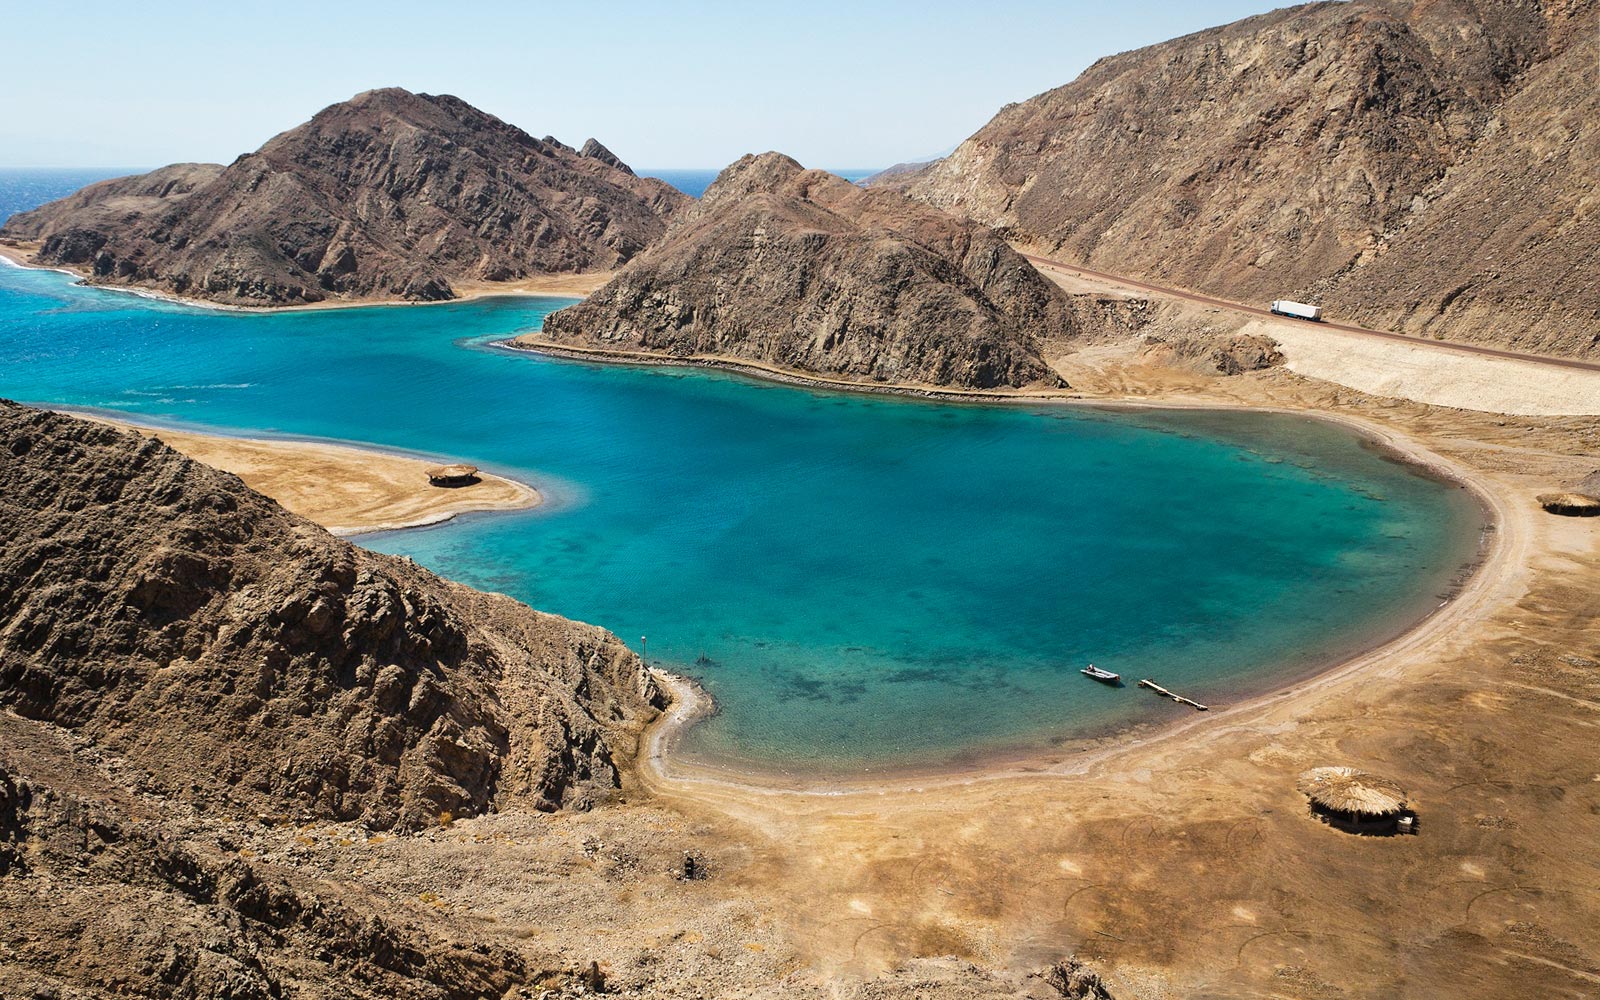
pixel 805 271
pixel 1427 165
pixel 249 662
pixel 390 195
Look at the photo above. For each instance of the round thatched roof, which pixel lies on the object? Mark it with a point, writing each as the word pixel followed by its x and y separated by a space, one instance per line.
pixel 1346 790
pixel 1569 503
pixel 452 472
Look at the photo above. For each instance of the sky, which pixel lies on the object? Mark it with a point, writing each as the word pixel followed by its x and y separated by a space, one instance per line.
pixel 693 85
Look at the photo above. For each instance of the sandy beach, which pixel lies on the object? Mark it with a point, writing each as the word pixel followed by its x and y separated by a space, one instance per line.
pixel 347 490
pixel 552 285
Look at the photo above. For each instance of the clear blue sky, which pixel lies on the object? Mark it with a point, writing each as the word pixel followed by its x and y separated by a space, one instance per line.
pixel 692 85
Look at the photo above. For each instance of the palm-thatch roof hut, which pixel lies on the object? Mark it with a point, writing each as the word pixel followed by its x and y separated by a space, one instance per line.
pixel 1355 800
pixel 453 475
pixel 1570 504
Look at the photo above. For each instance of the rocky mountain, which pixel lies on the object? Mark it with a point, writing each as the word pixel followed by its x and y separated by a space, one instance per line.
pixel 1422 165
pixel 390 195
pixel 805 271
pixel 245 660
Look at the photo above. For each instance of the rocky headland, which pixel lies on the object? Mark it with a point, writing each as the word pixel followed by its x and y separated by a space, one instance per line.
pixel 243 659
pixel 1421 166
pixel 803 271
pixel 388 196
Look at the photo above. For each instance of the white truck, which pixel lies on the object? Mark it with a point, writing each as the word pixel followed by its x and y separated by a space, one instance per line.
pixel 1298 310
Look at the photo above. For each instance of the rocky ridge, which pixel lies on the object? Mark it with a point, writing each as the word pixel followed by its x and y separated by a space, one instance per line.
pixel 1427 166
pixel 390 195
pixel 804 271
pixel 250 663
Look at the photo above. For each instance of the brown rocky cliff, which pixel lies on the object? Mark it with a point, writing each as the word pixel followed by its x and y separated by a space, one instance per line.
pixel 388 195
pixel 802 270
pixel 1422 164
pixel 250 662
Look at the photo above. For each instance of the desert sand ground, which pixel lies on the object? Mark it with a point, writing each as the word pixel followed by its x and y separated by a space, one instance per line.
pixel 346 490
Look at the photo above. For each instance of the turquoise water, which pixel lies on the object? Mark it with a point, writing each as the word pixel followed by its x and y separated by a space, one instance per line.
pixel 861 581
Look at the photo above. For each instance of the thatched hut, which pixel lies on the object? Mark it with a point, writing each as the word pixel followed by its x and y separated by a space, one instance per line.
pixel 1570 504
pixel 453 475
pixel 1356 801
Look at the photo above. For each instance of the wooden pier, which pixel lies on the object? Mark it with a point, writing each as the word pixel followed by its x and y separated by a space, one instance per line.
pixel 1180 699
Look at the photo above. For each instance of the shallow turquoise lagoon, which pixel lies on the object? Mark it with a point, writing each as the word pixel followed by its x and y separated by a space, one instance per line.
pixel 862 582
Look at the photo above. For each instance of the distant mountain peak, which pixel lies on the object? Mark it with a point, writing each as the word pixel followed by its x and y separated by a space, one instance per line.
pixel 388 195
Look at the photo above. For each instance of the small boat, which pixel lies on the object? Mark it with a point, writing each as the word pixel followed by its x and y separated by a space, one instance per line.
pixel 1103 676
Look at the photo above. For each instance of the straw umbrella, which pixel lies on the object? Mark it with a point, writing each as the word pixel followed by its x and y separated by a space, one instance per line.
pixel 1571 504
pixel 453 475
pixel 1352 798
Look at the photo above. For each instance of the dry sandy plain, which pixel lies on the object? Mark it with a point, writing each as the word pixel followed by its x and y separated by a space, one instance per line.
pixel 1183 864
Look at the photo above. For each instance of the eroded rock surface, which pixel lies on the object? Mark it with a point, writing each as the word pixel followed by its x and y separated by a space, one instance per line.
pixel 249 662
pixel 1422 165
pixel 802 270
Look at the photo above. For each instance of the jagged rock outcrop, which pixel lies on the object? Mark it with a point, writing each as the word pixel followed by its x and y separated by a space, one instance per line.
pixel 251 663
pixel 1424 165
pixel 390 195
pixel 595 151
pixel 805 271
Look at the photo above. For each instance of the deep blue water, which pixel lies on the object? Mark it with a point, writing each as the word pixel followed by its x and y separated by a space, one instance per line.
pixel 860 580
pixel 694 182
pixel 21 189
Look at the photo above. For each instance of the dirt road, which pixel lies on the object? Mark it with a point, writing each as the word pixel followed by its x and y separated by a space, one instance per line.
pixel 1178 293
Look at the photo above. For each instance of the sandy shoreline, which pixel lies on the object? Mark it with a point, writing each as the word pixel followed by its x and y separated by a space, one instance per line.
pixel 348 489
pixel 537 286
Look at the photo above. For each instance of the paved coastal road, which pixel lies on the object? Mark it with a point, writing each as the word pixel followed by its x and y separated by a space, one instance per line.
pixel 1444 345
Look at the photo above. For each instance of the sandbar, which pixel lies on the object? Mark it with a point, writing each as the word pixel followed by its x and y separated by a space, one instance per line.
pixel 348 490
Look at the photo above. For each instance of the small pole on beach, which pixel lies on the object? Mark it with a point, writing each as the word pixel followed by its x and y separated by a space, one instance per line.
pixel 644 649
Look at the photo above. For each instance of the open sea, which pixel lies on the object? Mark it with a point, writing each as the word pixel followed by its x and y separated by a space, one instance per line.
pixel 22 189
pixel 862 582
